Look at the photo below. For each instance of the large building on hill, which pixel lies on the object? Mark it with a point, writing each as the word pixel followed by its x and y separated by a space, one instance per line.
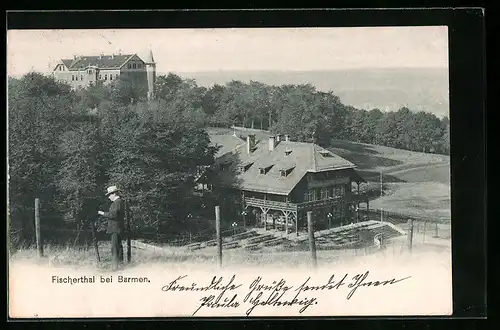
pixel 280 180
pixel 82 71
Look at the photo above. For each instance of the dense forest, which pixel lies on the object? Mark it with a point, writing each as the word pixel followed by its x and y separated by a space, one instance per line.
pixel 66 146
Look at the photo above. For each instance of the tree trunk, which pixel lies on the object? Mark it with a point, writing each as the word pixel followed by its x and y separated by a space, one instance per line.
pixel 158 227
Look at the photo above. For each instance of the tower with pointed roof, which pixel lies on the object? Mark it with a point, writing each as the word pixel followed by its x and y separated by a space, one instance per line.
pixel 151 74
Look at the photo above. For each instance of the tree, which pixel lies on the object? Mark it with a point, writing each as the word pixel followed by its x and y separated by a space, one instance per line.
pixel 371 123
pixel 212 99
pixel 300 117
pixel 387 131
pixel 155 162
pixel 445 141
pixel 81 175
pixel 39 112
pixel 126 90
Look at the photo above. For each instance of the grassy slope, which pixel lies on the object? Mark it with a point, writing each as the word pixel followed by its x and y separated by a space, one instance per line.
pixel 417 183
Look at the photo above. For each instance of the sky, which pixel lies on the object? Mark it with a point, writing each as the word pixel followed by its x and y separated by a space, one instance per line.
pixel 249 49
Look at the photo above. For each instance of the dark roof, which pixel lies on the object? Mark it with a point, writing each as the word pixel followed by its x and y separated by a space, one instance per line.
pixel 102 62
pixel 303 158
pixel 226 142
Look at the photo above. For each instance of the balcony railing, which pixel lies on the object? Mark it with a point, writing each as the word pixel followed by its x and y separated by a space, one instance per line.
pixel 284 206
pixel 280 206
pixel 320 203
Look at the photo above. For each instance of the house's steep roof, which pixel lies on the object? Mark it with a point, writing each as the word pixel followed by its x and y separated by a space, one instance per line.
pixel 297 158
pixel 102 62
pixel 226 142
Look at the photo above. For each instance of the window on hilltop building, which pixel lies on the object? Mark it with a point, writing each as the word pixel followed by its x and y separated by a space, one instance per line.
pixel 310 195
pixel 128 66
pixel 339 190
pixel 324 193
pixel 81 77
pixel 100 77
pixel 133 66
pixel 73 77
pixel 105 77
pixel 76 77
pixel 110 77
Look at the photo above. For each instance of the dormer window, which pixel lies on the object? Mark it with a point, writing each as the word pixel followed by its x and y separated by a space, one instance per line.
pixel 288 152
pixel 244 167
pixel 286 172
pixel 265 170
pixel 325 153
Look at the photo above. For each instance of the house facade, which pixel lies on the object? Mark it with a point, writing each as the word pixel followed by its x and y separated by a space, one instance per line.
pixel 82 71
pixel 279 181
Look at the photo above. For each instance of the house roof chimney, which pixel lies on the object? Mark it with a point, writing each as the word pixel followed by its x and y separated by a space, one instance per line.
pixel 250 143
pixel 287 138
pixel 272 143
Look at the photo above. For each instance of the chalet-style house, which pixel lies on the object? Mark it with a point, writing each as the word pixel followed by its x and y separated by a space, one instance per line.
pixel 82 71
pixel 280 180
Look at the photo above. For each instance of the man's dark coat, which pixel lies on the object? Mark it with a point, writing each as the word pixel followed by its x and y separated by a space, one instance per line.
pixel 116 217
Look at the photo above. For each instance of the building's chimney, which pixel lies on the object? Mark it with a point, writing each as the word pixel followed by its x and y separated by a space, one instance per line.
pixel 250 143
pixel 272 143
pixel 287 138
pixel 278 138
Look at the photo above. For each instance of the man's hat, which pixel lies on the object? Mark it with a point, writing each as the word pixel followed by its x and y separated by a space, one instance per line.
pixel 111 190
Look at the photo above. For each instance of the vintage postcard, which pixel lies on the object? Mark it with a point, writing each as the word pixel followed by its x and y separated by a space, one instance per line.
pixel 241 172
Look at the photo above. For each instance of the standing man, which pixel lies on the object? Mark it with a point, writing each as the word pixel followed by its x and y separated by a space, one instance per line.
pixel 115 216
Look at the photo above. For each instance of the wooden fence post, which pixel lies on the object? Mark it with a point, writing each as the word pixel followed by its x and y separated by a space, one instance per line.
pixel 312 243
pixel 410 234
pixel 219 237
pixel 425 229
pixel 94 239
pixel 436 230
pixel 38 231
pixel 129 233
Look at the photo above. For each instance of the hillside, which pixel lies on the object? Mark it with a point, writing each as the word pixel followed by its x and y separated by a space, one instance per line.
pixel 386 89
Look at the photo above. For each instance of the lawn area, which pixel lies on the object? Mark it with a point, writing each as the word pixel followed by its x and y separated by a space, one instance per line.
pixel 424 199
pixel 178 257
pixel 380 158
